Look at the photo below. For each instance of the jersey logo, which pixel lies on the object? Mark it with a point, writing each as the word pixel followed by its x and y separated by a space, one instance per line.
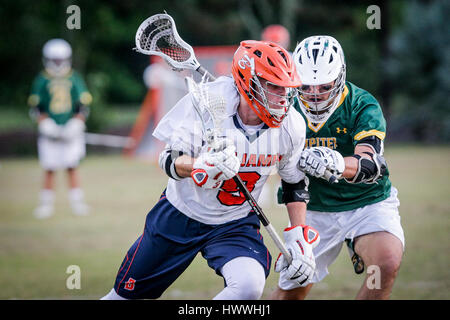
pixel 246 61
pixel 263 160
pixel 129 285
pixel 200 177
pixel 321 142
pixel 339 130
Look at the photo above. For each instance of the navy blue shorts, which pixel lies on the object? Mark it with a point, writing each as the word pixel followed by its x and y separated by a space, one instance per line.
pixel 171 241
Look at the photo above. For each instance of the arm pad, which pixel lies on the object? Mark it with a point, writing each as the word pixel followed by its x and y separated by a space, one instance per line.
pixel 297 192
pixel 369 170
pixel 167 162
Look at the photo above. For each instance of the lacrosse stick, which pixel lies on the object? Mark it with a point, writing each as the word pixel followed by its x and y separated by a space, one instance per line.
pixel 208 104
pixel 158 35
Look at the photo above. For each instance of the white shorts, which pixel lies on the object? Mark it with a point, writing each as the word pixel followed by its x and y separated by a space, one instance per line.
pixel 335 227
pixel 60 154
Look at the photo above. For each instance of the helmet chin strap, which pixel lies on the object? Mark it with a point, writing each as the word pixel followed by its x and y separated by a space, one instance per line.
pixel 321 118
pixel 278 114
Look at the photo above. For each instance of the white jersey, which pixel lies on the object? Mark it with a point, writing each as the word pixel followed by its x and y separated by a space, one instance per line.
pixel 262 151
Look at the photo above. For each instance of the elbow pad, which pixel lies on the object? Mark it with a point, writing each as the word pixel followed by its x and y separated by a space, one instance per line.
pixel 373 142
pixel 167 162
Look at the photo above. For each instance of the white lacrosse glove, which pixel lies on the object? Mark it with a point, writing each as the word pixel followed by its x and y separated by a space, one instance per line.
pixel 219 144
pixel 74 128
pixel 211 169
pixel 300 242
pixel 48 128
pixel 322 162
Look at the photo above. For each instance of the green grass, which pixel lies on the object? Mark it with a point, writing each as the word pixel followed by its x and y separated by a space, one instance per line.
pixel 34 255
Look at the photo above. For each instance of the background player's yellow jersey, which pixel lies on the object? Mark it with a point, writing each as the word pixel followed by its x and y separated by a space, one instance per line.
pixel 359 115
pixel 59 97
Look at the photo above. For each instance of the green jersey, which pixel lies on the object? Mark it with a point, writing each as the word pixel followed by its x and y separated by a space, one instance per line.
pixel 59 97
pixel 358 116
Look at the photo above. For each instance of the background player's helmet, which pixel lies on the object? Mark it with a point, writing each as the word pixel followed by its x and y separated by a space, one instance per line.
pixel 278 34
pixel 256 60
pixel 320 60
pixel 57 57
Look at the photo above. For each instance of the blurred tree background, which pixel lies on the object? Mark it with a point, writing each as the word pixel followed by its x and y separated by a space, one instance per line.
pixel 405 63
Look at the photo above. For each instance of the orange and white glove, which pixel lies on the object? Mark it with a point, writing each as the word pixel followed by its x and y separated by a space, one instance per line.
pixel 300 242
pixel 210 170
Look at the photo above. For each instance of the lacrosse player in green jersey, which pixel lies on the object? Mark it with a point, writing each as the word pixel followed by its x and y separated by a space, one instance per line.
pixel 351 197
pixel 59 101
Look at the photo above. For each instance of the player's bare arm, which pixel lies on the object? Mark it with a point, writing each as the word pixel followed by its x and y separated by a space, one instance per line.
pixel 184 165
pixel 297 213
pixel 80 116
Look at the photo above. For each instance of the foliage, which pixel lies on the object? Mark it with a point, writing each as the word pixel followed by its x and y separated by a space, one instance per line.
pixel 103 46
pixel 420 68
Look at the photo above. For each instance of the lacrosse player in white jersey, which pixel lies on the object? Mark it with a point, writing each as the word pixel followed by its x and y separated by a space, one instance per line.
pixel 202 209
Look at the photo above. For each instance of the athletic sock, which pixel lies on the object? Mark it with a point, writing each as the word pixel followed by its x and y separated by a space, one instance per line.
pixel 76 198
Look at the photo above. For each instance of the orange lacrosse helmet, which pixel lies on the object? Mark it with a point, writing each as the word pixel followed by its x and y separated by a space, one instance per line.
pixel 265 76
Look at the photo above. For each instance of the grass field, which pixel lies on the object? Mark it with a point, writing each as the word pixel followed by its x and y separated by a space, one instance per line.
pixel 34 255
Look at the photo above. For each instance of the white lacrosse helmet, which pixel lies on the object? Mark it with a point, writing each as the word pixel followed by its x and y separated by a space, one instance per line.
pixel 57 57
pixel 319 60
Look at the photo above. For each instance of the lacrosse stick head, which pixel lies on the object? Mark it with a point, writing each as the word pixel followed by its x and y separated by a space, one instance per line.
pixel 158 35
pixel 211 108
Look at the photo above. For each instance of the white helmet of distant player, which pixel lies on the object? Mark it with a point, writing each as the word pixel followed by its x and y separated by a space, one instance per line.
pixel 320 63
pixel 57 57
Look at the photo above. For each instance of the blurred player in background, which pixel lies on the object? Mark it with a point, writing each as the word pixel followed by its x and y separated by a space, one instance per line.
pixel 202 209
pixel 59 101
pixel 278 34
pixel 344 136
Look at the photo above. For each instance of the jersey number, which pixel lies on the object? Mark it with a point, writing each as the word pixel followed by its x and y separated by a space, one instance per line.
pixel 61 99
pixel 230 195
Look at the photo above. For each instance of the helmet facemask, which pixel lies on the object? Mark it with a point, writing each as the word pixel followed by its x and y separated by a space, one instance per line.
pixel 271 99
pixel 57 67
pixel 315 107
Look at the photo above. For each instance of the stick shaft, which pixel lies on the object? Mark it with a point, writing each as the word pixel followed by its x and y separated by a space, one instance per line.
pixel 278 242
pixel 203 72
pixel 262 217
pixel 329 177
